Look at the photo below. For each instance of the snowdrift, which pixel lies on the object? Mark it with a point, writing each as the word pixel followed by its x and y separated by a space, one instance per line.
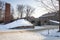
pixel 20 22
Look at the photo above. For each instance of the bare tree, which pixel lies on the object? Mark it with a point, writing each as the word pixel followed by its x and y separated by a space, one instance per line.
pixel 48 7
pixel 55 8
pixel 20 9
pixel 1 8
pixel 12 13
pixel 29 11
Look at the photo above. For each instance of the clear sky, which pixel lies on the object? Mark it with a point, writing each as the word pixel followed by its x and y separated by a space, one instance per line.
pixel 38 10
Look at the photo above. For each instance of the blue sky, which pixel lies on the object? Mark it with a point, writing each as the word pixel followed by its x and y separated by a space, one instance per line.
pixel 25 2
pixel 38 10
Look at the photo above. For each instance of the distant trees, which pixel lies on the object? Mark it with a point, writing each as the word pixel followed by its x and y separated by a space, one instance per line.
pixel 20 9
pixel 12 13
pixel 1 8
pixel 24 9
pixel 29 11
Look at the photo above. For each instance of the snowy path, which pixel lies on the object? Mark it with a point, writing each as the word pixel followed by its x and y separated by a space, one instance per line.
pixel 22 35
pixel 25 35
pixel 28 34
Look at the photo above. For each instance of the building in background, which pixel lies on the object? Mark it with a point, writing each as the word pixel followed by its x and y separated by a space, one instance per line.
pixel 49 16
pixel 6 13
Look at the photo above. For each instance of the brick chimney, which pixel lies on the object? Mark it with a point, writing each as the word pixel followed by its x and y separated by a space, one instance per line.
pixel 7 17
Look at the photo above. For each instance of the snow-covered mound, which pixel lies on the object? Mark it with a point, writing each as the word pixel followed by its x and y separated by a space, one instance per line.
pixel 2 27
pixel 54 21
pixel 21 22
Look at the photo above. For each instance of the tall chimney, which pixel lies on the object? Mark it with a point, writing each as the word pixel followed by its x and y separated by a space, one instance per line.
pixel 7 17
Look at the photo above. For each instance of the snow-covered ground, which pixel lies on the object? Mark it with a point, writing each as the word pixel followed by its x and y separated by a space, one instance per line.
pixel 36 28
pixel 24 34
pixel 20 22
pixel 50 33
pixel 54 21
pixel 27 35
pixel 46 32
pixel 21 35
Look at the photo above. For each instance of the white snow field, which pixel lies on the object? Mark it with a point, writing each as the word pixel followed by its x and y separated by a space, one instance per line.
pixel 51 34
pixel 35 34
pixel 46 32
pixel 20 35
pixel 21 22
pixel 27 35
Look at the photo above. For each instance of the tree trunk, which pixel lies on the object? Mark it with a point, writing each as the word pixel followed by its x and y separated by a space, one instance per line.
pixel 59 15
pixel 27 15
pixel 21 15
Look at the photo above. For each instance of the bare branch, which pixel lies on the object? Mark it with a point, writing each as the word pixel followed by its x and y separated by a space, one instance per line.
pixel 29 10
pixel 20 9
pixel 53 5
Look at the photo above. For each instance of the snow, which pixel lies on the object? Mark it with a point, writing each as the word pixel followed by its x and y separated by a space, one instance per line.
pixel 21 35
pixel 50 33
pixel 21 22
pixel 54 21
pixel 27 35
pixel 38 27
pixel 2 27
